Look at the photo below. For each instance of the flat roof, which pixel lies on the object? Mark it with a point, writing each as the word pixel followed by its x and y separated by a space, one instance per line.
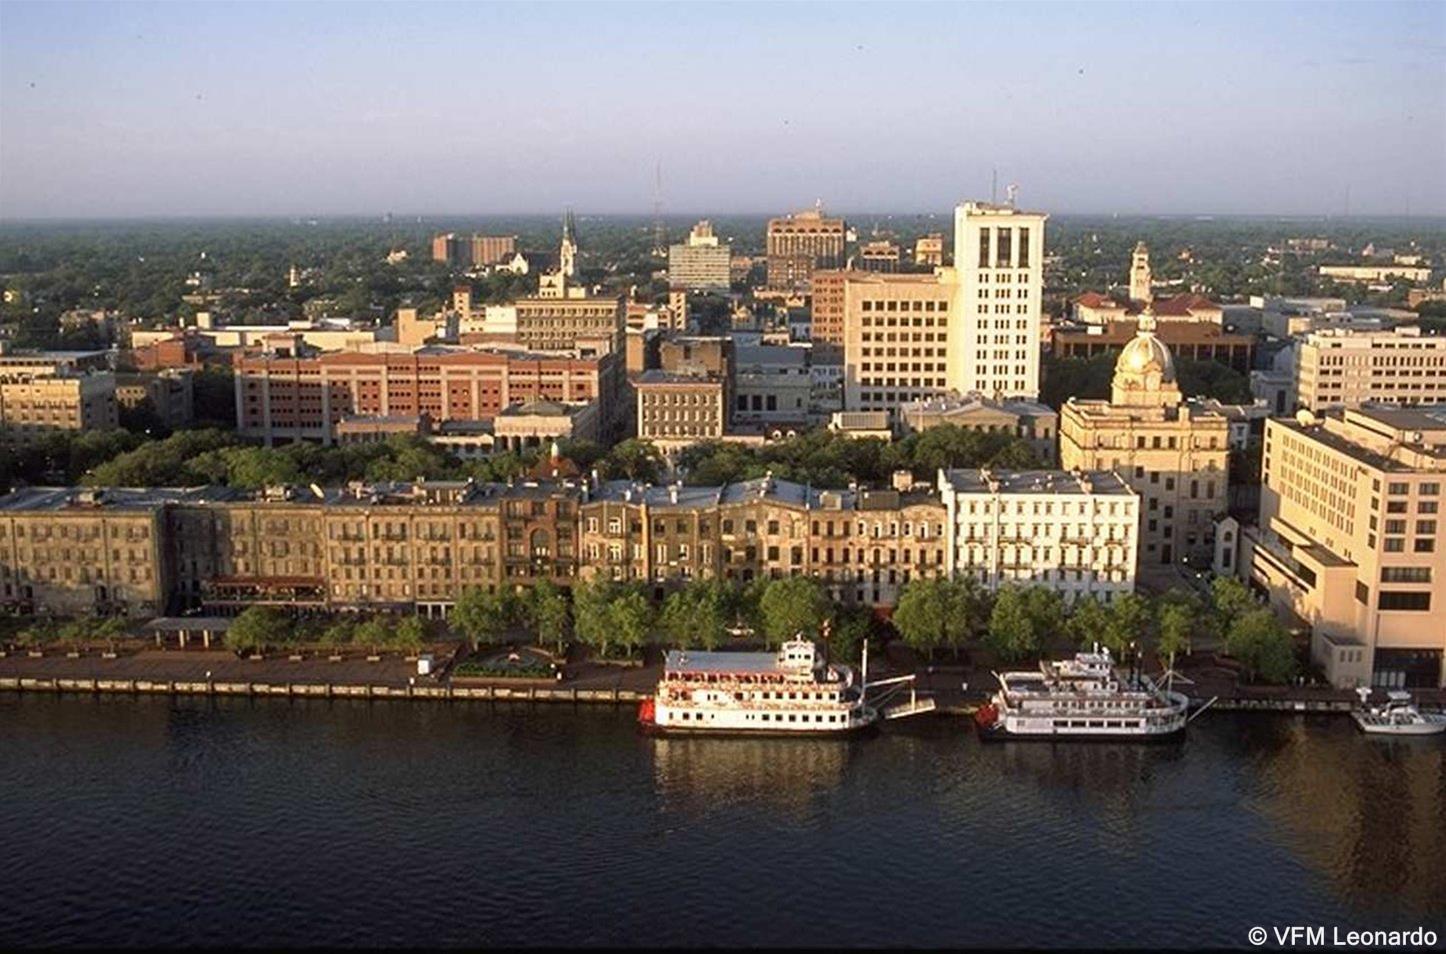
pixel 111 498
pixel 1038 482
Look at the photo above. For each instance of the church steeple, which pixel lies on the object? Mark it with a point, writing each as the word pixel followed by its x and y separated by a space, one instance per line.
pixel 567 253
pixel 1140 275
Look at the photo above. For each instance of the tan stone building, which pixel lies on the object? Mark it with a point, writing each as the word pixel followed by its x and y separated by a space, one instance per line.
pixel 564 324
pixel 897 339
pixel 701 263
pixel 76 551
pixel 416 547
pixel 866 545
pixel 1348 544
pixel 33 404
pixel 929 249
pixel 799 244
pixel 1346 369
pixel 675 410
pixel 661 536
pixel 1174 453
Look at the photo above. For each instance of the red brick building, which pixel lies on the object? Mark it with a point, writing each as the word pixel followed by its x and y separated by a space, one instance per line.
pixel 304 398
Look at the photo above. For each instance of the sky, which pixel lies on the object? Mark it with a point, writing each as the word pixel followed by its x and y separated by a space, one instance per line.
pixel 121 110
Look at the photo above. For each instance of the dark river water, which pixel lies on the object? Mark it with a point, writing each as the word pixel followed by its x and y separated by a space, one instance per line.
pixel 204 822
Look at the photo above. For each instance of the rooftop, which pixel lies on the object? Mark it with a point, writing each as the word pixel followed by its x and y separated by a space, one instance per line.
pixel 1036 482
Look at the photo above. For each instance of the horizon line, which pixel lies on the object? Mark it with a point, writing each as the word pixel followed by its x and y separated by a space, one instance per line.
pixel 648 215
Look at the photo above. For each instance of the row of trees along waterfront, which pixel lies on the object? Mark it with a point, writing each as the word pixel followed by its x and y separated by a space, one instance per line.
pixel 617 618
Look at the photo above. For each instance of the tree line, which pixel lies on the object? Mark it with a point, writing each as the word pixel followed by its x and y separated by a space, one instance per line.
pixel 1020 622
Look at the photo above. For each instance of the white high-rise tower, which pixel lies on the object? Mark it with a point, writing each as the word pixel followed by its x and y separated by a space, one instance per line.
pixel 995 321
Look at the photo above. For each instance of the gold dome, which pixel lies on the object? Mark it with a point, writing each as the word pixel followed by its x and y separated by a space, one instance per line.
pixel 1145 354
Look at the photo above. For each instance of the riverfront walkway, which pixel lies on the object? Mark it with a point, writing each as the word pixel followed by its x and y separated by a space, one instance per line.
pixel 957 688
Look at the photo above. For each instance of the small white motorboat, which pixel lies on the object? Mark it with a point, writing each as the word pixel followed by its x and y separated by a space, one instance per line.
pixel 1397 717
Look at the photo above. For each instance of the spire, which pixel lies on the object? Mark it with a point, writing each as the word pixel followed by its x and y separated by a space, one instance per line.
pixel 567 252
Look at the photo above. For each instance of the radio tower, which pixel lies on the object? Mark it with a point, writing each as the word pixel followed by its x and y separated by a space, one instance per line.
pixel 660 236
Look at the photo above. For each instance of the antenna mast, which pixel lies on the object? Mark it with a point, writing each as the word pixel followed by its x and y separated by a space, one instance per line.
pixel 659 234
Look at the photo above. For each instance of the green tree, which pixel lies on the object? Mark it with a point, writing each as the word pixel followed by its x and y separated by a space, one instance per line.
pixel 1128 624
pixel 969 606
pixel 1088 621
pixel 851 626
pixel 634 459
pixel 591 612
pixel 371 633
pixel 482 616
pixel 698 614
pixel 632 619
pixel 410 634
pixel 256 628
pixel 1046 612
pixel 1181 615
pixel 1231 599
pixel 1263 646
pixel 1012 633
pixel 548 613
pixel 790 605
pixel 338 633
pixel 922 615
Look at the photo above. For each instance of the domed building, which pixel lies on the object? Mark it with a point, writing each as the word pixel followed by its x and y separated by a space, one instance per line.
pixel 1172 452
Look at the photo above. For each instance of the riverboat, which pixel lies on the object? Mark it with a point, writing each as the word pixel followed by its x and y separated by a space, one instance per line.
pixel 790 692
pixel 1397 717
pixel 1082 698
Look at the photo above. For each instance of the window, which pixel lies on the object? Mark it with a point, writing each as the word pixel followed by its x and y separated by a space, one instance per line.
pixel 1406 600
pixel 984 248
pixel 1405 574
pixel 1023 248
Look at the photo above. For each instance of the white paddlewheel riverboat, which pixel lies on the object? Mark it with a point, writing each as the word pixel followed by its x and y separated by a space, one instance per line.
pixel 1086 697
pixel 790 692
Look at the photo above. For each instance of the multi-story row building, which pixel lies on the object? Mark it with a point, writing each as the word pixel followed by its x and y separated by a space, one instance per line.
pixel 303 398
pixel 1348 543
pixel 416 547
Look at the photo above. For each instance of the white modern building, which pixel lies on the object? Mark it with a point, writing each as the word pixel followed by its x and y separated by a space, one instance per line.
pixel 999 274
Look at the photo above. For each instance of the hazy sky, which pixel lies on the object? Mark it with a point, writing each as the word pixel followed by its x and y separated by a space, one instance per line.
pixel 117 109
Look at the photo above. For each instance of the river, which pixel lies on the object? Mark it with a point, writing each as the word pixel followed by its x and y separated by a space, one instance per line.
pixel 194 821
